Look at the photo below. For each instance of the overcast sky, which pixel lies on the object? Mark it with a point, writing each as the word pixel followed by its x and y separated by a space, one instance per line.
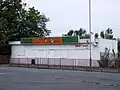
pixel 73 14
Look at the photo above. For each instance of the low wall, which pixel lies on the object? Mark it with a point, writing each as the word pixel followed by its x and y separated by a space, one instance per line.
pixel 54 61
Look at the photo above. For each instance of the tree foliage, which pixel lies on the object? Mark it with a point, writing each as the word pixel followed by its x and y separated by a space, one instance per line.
pixel 96 35
pixel 17 22
pixel 119 48
pixel 81 32
pixel 70 33
pixel 108 34
pixel 102 34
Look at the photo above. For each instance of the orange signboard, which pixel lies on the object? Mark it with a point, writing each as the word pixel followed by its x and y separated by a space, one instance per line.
pixel 47 40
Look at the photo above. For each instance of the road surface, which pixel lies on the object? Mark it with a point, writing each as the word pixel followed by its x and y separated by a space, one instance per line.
pixel 39 79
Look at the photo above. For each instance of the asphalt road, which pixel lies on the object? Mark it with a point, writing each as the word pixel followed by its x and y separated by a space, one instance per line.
pixel 39 79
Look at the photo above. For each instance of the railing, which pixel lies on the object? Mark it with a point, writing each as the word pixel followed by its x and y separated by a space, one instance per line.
pixel 50 61
pixel 59 63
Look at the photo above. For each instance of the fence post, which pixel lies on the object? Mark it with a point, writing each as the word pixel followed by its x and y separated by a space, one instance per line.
pixel 48 62
pixel 101 69
pixel 10 60
pixel 73 63
pixel 40 62
pixel 27 63
pixel 37 63
pixel 118 68
pixel 60 63
pixel 18 62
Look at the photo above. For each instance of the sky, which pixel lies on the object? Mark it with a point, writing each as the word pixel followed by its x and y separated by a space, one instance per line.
pixel 73 14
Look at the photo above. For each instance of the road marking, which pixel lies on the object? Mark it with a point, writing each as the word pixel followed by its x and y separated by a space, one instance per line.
pixel 45 81
pixel 3 73
pixel 51 82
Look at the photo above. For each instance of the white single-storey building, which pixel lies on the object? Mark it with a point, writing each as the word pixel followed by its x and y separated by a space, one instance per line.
pixel 65 54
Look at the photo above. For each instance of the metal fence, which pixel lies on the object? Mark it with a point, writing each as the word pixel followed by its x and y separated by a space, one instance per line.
pixel 51 61
pixel 59 63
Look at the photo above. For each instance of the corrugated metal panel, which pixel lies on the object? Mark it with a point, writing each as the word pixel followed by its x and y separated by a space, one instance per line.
pixel 47 40
pixel 26 40
pixel 70 39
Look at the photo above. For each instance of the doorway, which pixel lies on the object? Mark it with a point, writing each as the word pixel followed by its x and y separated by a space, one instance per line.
pixel 33 61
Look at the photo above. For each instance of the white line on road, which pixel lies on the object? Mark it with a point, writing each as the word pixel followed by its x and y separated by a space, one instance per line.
pixel 3 73
pixel 51 82
pixel 45 81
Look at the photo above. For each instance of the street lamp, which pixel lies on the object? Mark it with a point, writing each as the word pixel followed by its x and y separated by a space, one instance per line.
pixel 90 31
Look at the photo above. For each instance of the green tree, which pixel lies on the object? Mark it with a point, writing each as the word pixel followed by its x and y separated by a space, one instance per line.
pixel 70 33
pixel 81 32
pixel 96 35
pixel 102 34
pixel 118 47
pixel 108 34
pixel 16 22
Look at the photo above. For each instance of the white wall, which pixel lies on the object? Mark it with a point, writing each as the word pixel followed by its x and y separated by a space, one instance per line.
pixel 110 44
pixel 53 51
pixel 102 43
pixel 67 52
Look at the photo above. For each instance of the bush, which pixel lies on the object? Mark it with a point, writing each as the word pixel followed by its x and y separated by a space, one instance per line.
pixel 5 49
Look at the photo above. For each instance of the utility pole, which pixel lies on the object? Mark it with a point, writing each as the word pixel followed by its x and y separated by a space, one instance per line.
pixel 90 31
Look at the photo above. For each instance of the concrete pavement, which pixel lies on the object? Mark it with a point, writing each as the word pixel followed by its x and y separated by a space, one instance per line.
pixel 12 78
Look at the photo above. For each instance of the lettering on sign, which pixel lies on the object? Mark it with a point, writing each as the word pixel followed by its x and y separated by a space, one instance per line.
pixel 81 45
pixel 49 40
